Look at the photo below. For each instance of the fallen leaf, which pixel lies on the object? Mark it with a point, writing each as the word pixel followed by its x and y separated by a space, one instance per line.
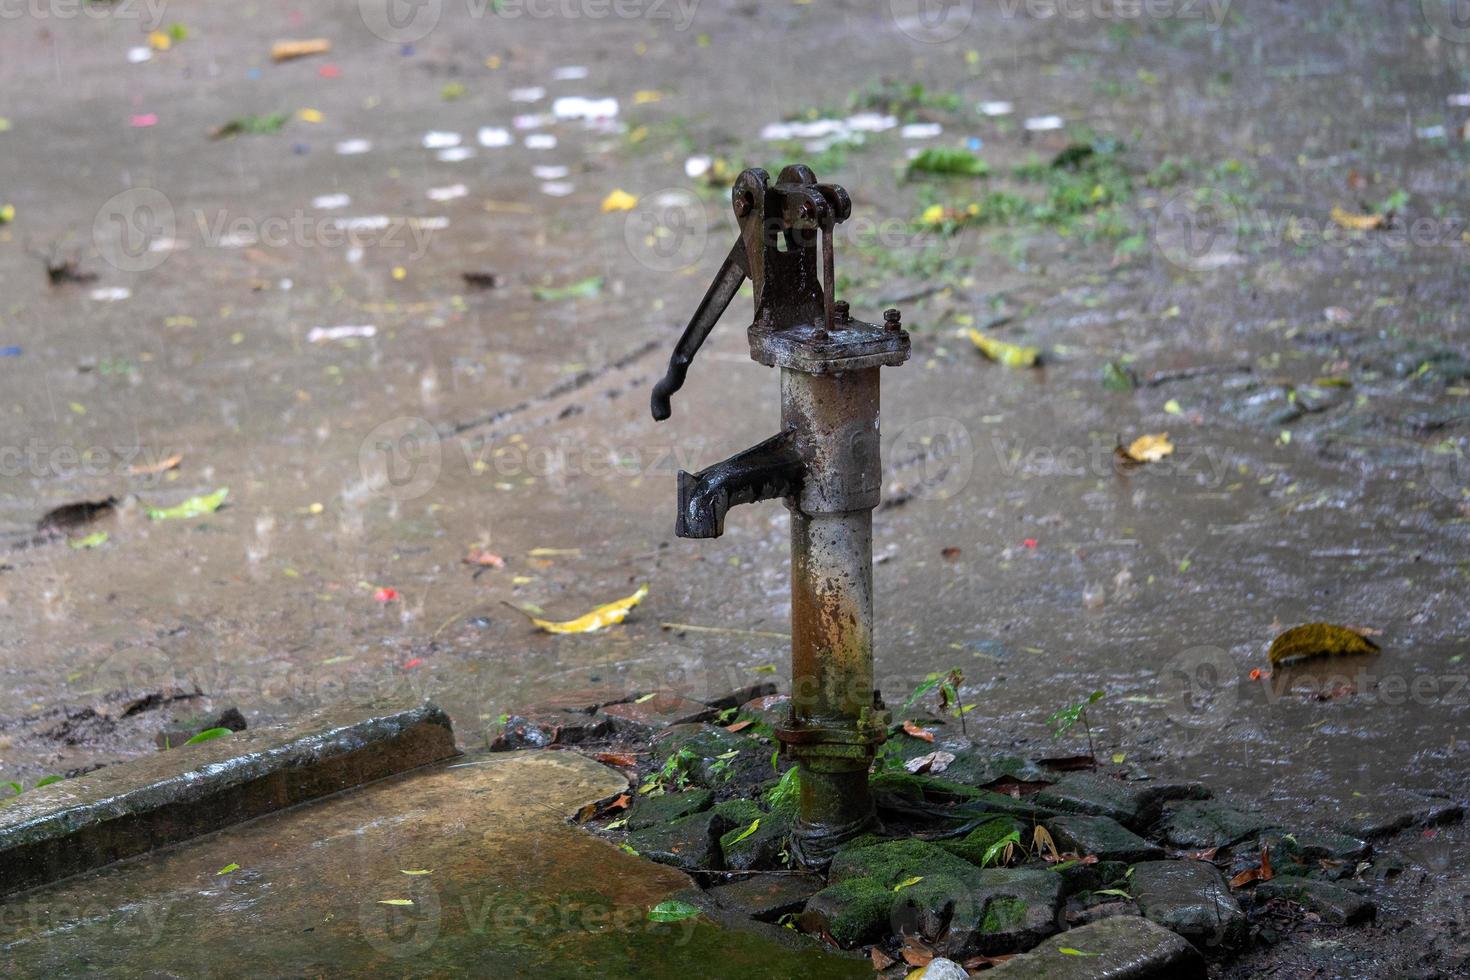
pixel 1149 448
pixel 619 200
pixel 288 50
pixel 1011 355
pixel 913 729
pixel 672 910
pixel 1043 843
pixel 908 883
pixel 485 559
pixel 1069 951
pixel 1172 407
pixel 94 540
pixel 1357 222
pixel 950 553
pixel 193 507
pixel 162 466
pixel 581 289
pixel 1318 640
pixel 385 594
pixel 740 726
pixel 616 759
pixel 227 869
pixel 603 616
pixel 881 960
pixel 415 871
pixel 754 826
pixel 395 901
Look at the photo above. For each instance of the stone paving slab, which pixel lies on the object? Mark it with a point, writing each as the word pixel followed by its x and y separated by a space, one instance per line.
pixel 84 823
pixel 1120 948
pixel 500 885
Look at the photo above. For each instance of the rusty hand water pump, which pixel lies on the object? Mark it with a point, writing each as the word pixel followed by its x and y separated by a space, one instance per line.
pixel 825 464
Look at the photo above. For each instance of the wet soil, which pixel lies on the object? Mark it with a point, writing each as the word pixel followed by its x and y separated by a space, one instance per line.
pixel 520 424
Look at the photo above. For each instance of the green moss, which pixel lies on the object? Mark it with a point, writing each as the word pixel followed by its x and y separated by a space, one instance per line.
pixel 972 846
pixel 918 788
pixel 860 910
pixel 1003 914
pixel 894 861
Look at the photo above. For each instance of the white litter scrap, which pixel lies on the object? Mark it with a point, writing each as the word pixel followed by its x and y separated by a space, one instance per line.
pixel 140 54
pixel 437 140
pixel 557 188
pixel 697 167
pixel 534 93
pixel 533 120
pixel 581 107
pixel 366 222
pixel 1042 124
pixel 569 73
pixel 111 294
pixel 436 223
pixel 921 131
pixel 448 193
pixel 330 202
pixel 1459 99
pixel 871 122
pixel 540 141
pixel 455 154
pixel 353 147
pixel 319 335
pixel 549 172
pixel 1431 133
pixel 494 136
pixel 996 108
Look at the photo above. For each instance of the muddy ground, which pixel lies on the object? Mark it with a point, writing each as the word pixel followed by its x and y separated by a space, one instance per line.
pixel 1313 379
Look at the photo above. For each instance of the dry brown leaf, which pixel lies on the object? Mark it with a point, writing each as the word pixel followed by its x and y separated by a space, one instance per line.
pixel 881 960
pixel 1149 448
pixel 740 726
pixel 162 466
pixel 620 759
pixel 915 952
pixel 1042 843
pixel 287 50
pixel 479 556
pixel 912 728
pixel 1356 222
pixel 1319 640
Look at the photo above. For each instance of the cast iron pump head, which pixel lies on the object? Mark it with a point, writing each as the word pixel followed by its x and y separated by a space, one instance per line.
pixel 824 463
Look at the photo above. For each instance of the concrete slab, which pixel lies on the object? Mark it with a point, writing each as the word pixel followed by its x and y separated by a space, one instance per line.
pixel 500 885
pixel 80 824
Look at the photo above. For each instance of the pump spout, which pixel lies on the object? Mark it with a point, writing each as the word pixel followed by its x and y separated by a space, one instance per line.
pixel 765 471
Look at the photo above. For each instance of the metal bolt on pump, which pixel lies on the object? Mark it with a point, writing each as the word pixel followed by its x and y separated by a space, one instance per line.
pixel 825 464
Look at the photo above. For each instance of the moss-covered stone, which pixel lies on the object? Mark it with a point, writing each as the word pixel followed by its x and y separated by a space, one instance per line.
pixel 1333 904
pixel 712 757
pixel 1102 837
pixel 760 849
pixel 689 843
pixel 852 912
pixel 1192 899
pixel 972 846
pixel 1019 908
pixel 649 810
pixel 1134 804
pixel 1210 824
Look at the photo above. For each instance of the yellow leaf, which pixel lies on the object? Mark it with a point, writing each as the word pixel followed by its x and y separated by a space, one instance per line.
pixel 1173 407
pixel 908 883
pixel 618 200
pixel 309 115
pixel 608 615
pixel 1011 355
pixel 160 41
pixel 395 901
pixel 1150 448
pixel 193 507
pixel 1356 222
pixel 933 214
pixel 645 96
pixel 1319 640
pixel 415 871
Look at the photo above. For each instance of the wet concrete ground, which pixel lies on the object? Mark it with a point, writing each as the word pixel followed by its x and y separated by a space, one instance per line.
pixel 517 423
